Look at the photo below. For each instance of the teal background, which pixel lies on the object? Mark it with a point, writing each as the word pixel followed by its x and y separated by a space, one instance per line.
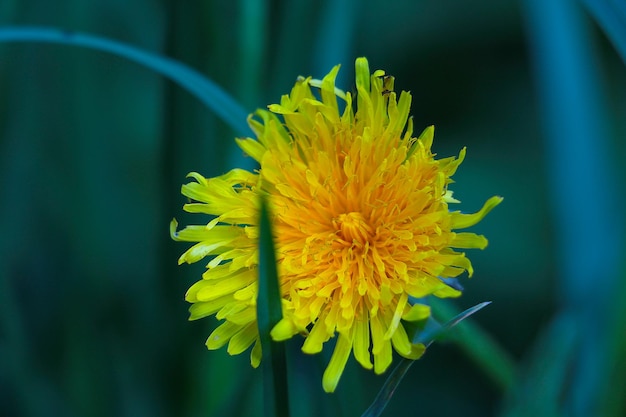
pixel 94 148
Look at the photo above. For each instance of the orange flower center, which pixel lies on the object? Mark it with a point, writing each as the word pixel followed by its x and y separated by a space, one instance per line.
pixel 353 229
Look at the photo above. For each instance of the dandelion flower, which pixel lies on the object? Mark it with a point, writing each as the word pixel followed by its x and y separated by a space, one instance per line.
pixel 361 222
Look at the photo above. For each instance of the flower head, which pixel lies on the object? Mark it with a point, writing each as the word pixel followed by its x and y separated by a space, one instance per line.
pixel 360 217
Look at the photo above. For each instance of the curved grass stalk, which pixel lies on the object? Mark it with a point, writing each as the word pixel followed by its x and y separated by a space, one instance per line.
pixel 205 90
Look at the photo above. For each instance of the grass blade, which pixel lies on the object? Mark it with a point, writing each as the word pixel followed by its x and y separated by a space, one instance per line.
pixel 209 93
pixel 479 346
pixel 427 337
pixel 269 312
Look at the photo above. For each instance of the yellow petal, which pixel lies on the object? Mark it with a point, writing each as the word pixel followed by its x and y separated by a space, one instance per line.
pixel 199 310
pixel 417 350
pixel 242 340
pixel 316 338
pixel 468 241
pixel 244 317
pixel 283 330
pixel 230 285
pixel 417 312
pixel 400 342
pixel 377 332
pixel 397 315
pixel 362 341
pixel 383 358
pixel 252 147
pixel 446 291
pixel 256 354
pixel 337 363
pixel 220 336
pixel 463 221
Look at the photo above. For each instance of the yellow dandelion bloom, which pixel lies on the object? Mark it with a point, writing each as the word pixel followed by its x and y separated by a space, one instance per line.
pixel 361 222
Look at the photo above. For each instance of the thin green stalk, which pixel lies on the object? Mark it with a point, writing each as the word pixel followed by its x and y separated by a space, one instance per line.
pixel 269 313
pixel 479 346
pixel 427 336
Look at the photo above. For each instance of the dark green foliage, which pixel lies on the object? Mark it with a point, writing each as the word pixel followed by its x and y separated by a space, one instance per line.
pixel 93 150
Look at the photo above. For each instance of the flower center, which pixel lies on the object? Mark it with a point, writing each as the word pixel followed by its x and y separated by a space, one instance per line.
pixel 353 228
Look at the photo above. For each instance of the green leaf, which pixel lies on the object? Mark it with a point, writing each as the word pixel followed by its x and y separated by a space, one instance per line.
pixel 269 313
pixel 432 331
pixel 205 90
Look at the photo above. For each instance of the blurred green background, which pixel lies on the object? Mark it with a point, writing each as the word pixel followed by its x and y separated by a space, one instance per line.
pixel 94 148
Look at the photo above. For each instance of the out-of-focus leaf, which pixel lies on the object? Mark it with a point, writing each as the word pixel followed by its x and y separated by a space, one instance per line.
pixel 269 313
pixel 611 16
pixel 429 335
pixel 613 397
pixel 209 93
pixel 479 346
pixel 581 165
pixel 335 35
pixel 253 37
pixel 540 392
